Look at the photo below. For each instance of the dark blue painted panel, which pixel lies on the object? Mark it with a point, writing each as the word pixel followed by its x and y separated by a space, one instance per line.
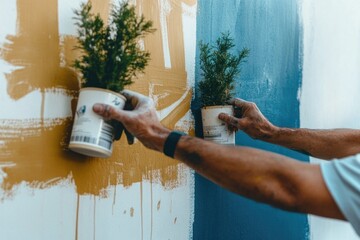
pixel 271 78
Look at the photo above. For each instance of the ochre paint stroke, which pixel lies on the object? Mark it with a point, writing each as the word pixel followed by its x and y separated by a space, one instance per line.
pixel 36 50
pixel 175 34
pixel 179 112
pixel 41 158
pixel 101 7
pixel 40 152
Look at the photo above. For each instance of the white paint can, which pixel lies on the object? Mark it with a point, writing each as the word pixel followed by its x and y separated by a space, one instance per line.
pixel 214 129
pixel 91 134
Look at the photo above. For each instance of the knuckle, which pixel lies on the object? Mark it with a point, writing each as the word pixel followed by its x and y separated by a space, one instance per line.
pixel 234 121
pixel 243 123
pixel 225 118
pixel 252 104
pixel 110 112
pixel 238 101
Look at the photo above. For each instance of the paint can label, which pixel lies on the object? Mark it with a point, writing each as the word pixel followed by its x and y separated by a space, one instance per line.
pixel 91 134
pixel 84 132
pixel 219 134
pixel 214 129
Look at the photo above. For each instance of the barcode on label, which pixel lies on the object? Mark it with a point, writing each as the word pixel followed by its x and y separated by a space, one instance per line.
pixel 105 140
pixel 86 139
pixel 106 137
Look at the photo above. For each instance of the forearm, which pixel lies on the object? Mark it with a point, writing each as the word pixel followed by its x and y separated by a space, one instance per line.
pixel 260 175
pixel 252 173
pixel 325 144
pixel 249 172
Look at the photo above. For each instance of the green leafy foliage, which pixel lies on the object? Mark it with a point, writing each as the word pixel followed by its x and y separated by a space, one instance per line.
pixel 219 68
pixel 111 54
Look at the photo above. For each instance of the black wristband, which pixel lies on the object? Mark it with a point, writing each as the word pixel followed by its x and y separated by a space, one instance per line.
pixel 171 142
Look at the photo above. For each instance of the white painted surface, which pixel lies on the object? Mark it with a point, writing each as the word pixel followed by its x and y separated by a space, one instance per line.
pixel 8 15
pixel 51 213
pixel 62 108
pixel 188 16
pixel 330 93
pixel 66 7
pixel 165 9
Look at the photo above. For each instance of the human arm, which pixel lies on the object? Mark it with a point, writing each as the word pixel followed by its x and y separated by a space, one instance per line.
pixel 262 176
pixel 324 144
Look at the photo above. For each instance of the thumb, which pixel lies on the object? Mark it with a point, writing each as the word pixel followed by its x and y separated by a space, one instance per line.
pixel 109 112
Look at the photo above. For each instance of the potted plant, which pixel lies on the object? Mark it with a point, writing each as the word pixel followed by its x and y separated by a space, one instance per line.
pixel 219 68
pixel 111 58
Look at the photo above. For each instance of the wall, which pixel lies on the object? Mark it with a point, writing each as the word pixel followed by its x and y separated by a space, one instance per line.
pixel 331 82
pixel 303 71
pixel 271 78
pixel 48 192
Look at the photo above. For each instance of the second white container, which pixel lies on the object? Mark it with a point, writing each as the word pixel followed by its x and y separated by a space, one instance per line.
pixel 214 129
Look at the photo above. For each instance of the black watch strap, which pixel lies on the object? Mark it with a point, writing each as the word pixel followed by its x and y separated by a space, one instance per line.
pixel 171 142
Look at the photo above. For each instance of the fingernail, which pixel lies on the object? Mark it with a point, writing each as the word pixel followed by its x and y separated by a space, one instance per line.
pixel 98 107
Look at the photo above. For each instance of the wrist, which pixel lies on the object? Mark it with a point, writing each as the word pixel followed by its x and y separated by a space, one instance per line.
pixel 171 143
pixel 275 132
pixel 281 135
pixel 158 136
pixel 268 133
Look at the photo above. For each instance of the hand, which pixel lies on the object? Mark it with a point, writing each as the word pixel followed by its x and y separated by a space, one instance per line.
pixel 139 118
pixel 248 118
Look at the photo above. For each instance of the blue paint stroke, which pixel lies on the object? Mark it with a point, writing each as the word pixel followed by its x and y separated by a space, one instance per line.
pixel 272 79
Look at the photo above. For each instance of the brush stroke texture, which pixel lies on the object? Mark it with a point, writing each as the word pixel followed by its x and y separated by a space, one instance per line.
pixel 271 78
pixel 42 58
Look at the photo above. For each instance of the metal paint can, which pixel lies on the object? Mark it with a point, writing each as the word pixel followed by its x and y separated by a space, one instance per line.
pixel 91 134
pixel 214 129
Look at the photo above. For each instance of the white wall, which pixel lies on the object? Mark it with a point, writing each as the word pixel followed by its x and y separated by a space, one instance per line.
pixel 330 94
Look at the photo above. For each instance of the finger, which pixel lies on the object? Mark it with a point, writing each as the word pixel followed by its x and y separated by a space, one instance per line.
pixel 131 97
pixel 128 106
pixel 137 100
pixel 232 128
pixel 131 94
pixel 130 138
pixel 109 112
pixel 118 129
pixel 238 102
pixel 231 120
pixel 134 97
pixel 238 113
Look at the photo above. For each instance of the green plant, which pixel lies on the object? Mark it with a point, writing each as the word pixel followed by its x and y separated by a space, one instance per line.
pixel 111 54
pixel 219 68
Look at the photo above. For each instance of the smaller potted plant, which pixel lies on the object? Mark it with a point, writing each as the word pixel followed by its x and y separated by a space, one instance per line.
pixel 219 68
pixel 111 58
